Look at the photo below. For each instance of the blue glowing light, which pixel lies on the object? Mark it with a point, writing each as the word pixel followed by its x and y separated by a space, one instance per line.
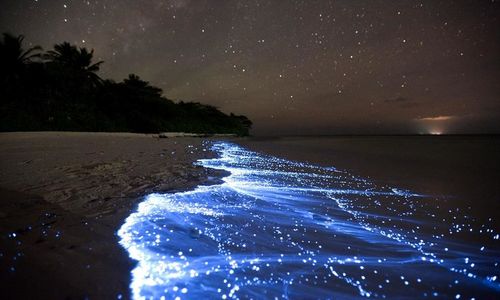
pixel 281 229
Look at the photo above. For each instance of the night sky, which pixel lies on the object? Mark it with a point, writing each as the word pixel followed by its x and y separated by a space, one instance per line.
pixel 295 67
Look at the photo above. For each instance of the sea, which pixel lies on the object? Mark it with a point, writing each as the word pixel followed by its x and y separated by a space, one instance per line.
pixel 326 218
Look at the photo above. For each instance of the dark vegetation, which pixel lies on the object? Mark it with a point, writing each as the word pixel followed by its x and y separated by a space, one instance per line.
pixel 60 90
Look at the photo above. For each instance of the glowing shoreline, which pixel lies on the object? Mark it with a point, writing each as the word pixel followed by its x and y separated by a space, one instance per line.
pixel 276 228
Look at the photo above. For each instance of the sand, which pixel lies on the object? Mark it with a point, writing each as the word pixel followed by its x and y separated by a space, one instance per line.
pixel 63 197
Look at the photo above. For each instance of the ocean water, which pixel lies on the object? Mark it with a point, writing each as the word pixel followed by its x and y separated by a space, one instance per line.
pixel 282 229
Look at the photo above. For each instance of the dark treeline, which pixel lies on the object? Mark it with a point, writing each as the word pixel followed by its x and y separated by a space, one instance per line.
pixel 60 90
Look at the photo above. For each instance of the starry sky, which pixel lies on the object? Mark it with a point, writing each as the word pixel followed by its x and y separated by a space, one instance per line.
pixel 295 67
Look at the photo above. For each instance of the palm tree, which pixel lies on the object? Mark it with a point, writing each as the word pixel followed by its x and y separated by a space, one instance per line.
pixel 13 57
pixel 76 60
pixel 135 82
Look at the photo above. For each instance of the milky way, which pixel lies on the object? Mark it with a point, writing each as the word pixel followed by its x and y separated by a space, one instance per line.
pixel 295 66
pixel 278 229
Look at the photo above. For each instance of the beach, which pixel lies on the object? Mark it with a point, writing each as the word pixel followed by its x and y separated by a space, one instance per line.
pixel 63 197
pixel 119 216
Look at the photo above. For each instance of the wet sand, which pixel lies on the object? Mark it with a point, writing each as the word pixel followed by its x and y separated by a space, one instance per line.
pixel 64 195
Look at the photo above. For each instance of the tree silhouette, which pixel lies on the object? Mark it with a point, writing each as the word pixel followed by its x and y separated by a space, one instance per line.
pixel 75 60
pixel 13 57
pixel 135 82
pixel 62 91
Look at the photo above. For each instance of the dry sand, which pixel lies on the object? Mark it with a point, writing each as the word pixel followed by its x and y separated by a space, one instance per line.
pixel 64 195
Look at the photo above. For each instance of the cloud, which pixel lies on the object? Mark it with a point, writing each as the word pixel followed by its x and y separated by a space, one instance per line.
pixel 178 3
pixel 398 99
pixel 437 118
pixel 402 102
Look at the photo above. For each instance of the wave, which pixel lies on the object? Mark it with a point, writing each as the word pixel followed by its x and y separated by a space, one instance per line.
pixel 279 229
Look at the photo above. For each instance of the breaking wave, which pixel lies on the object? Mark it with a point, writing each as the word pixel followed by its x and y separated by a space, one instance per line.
pixel 278 229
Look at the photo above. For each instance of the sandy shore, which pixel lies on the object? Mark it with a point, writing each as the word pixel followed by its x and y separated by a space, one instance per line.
pixel 64 195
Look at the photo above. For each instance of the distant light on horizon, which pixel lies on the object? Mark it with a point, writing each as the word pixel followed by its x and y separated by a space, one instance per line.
pixel 436 125
pixel 435 132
